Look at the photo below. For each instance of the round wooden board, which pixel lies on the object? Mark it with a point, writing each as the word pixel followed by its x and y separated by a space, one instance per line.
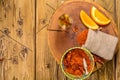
pixel 59 42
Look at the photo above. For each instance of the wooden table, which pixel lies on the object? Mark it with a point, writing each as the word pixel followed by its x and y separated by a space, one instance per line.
pixel 24 51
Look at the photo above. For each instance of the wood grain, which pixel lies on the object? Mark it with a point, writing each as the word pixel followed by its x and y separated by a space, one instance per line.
pixel 117 16
pixel 17 40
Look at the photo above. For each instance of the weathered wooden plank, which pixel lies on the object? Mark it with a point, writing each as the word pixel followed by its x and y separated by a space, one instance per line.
pixel 46 67
pixel 107 72
pixel 118 54
pixel 17 39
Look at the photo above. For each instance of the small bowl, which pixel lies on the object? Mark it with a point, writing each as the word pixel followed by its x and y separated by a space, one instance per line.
pixel 84 76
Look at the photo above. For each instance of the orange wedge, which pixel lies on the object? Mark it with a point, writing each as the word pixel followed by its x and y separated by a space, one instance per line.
pixel 99 17
pixel 87 21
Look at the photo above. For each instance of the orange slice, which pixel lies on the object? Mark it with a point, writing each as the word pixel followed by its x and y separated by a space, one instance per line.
pixel 87 21
pixel 99 17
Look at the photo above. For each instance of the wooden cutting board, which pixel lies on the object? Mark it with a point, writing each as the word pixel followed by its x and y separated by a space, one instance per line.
pixel 60 41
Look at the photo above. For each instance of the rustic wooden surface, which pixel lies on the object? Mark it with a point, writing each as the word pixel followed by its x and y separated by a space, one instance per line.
pixel 17 28
pixel 24 51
